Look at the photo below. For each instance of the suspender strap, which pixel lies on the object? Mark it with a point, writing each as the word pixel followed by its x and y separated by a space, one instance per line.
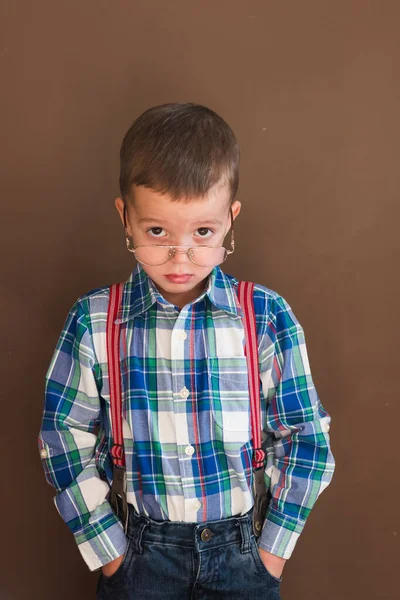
pixel 245 294
pixel 261 496
pixel 114 376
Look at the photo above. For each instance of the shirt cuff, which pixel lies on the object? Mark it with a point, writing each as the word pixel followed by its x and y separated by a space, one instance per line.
pixel 101 539
pixel 280 533
pixel 102 542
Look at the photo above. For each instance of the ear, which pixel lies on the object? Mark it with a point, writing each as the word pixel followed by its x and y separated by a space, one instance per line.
pixel 236 207
pixel 120 206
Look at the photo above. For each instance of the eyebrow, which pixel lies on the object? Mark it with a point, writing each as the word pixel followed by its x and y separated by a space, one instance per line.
pixel 201 222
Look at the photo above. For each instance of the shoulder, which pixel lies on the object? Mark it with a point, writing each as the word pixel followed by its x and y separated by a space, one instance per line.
pixel 273 312
pixel 91 307
pixel 267 302
pixel 271 301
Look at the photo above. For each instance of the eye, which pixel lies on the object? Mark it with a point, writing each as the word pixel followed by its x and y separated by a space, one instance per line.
pixel 155 230
pixel 204 230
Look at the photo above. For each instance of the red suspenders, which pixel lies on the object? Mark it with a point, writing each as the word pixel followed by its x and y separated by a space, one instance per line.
pixel 260 493
pixel 114 378
pixel 261 496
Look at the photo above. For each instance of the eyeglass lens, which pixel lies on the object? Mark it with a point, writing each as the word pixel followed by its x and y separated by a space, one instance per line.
pixel 202 255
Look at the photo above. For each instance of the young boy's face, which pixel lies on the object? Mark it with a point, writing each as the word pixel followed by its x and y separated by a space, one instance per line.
pixel 152 218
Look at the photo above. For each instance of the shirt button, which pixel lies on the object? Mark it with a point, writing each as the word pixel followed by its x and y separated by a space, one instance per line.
pixel 43 453
pixel 184 393
pixel 189 450
pixel 326 427
pixel 196 504
pixel 183 335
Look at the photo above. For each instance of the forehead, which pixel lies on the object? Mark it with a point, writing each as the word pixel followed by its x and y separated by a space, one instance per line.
pixel 149 205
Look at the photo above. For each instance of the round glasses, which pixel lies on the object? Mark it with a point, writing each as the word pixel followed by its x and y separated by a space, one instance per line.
pixel 155 255
pixel 203 256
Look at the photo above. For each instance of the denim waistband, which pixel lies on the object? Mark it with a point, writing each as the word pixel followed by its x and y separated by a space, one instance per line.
pixel 200 536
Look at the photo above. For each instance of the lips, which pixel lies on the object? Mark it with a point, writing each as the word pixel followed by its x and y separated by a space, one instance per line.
pixel 179 277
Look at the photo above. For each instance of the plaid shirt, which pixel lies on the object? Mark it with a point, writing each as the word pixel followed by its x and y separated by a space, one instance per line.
pixel 186 415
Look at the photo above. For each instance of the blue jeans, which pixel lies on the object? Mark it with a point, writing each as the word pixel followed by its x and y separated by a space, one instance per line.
pixel 172 560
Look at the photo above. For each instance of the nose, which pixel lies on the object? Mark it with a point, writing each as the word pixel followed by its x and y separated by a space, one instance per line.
pixel 180 256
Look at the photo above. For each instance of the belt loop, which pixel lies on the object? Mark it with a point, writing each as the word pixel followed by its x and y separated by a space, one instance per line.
pixel 137 535
pixel 245 532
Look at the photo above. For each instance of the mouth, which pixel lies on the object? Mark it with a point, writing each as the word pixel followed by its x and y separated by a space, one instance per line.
pixel 179 277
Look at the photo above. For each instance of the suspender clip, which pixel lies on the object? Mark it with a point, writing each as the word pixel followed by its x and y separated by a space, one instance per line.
pixel 262 497
pixel 118 488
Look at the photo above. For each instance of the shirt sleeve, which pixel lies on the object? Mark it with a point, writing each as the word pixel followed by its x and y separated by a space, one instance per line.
pixel 300 463
pixel 67 443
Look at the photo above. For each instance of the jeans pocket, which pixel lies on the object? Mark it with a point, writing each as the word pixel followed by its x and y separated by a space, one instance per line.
pixel 258 560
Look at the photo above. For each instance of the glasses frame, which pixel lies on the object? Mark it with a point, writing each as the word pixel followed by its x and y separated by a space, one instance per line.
pixel 173 249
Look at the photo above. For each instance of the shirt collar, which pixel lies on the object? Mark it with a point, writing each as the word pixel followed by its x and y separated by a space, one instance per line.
pixel 140 293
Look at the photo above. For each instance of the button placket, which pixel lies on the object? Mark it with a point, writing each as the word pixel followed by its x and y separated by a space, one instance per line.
pixel 181 394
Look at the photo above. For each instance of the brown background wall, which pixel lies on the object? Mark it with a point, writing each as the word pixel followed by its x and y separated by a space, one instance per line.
pixel 312 91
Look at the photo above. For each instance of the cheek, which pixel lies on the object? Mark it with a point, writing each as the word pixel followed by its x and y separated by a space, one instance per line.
pixel 152 272
pixel 138 236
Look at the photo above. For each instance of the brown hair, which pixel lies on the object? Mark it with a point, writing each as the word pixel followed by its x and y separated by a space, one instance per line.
pixel 181 150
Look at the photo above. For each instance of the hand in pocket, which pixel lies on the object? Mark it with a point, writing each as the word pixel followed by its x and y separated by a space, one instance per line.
pixel 110 568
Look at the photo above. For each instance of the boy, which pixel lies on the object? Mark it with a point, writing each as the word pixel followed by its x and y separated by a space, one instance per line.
pixel 186 407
